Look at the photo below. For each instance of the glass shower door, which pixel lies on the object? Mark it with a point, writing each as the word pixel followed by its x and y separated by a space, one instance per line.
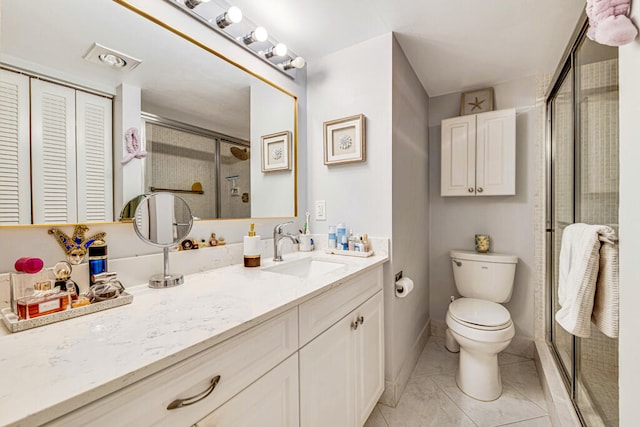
pixel 596 69
pixel 583 175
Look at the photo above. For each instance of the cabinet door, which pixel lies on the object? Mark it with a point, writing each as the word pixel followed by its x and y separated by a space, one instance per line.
pixel 270 401
pixel 496 153
pixel 369 357
pixel 53 153
pixel 94 148
pixel 458 156
pixel 15 167
pixel 327 378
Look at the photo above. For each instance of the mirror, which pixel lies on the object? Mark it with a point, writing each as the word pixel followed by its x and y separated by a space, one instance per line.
pixel 202 126
pixel 164 220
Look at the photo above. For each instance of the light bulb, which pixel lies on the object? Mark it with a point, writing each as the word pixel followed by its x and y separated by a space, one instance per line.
pixel 231 16
pixel 280 49
pixel 234 14
pixel 260 34
pixel 299 62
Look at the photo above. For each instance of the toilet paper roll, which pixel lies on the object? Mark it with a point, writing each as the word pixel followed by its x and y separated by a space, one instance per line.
pixel 404 286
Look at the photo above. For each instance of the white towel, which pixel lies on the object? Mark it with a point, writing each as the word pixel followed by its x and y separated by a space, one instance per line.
pixel 579 266
pixel 605 307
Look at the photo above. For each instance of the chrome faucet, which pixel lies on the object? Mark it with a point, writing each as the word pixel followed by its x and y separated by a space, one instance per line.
pixel 278 235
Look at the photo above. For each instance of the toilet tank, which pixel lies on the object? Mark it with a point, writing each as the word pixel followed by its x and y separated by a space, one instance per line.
pixel 484 276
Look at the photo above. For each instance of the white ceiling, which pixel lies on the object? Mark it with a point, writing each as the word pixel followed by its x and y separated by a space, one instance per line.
pixel 452 45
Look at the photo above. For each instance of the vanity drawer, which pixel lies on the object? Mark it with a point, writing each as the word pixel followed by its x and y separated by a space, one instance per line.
pixel 238 361
pixel 319 313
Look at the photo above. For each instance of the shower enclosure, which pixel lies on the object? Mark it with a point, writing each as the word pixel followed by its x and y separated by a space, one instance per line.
pixel 582 174
pixel 210 171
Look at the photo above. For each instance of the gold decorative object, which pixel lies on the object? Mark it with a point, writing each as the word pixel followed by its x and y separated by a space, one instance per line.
pixel 75 247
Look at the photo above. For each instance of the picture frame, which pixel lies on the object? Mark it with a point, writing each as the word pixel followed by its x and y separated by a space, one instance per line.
pixel 344 140
pixel 476 101
pixel 276 151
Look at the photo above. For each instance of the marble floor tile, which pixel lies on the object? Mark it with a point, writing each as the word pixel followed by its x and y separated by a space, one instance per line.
pixel 435 359
pixel 535 422
pixel 508 408
pixel 507 358
pixel 423 404
pixel 524 377
pixel 376 419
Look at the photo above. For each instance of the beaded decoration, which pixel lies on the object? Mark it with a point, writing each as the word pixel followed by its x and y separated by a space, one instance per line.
pixel 76 246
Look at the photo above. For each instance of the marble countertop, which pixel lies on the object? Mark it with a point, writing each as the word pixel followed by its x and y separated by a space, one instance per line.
pixel 49 371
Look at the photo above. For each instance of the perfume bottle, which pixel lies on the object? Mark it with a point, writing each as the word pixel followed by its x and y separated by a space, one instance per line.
pixel 45 303
pixel 97 259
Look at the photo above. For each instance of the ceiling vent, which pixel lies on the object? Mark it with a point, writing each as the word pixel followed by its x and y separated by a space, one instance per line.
pixel 112 58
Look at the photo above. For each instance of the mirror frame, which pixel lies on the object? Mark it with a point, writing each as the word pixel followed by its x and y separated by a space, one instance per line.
pixel 212 51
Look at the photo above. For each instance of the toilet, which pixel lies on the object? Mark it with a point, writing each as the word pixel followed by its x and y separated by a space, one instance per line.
pixel 478 323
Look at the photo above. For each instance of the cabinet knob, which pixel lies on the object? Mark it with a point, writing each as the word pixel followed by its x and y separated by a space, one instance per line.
pixel 179 403
pixel 354 325
pixel 361 320
pixel 480 190
pixel 470 190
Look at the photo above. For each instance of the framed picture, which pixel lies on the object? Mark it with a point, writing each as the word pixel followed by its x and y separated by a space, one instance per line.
pixel 276 152
pixel 344 140
pixel 476 101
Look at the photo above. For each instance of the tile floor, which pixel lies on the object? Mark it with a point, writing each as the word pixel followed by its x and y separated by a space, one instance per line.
pixel 432 397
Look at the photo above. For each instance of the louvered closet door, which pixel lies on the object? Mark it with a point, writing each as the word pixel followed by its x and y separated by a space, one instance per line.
pixel 15 185
pixel 53 153
pixel 95 182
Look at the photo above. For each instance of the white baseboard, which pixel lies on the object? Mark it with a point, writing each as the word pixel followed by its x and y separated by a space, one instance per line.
pixel 393 389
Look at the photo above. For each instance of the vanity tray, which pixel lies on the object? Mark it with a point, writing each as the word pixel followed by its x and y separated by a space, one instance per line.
pixel 14 324
pixel 349 253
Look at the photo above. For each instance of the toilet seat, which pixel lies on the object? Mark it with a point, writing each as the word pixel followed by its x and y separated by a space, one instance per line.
pixel 480 314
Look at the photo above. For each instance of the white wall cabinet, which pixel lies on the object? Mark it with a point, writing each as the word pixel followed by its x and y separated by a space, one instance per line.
pixel 478 156
pixel 341 371
pixel 56 153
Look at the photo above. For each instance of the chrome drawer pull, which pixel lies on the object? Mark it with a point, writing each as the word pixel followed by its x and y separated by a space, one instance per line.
pixel 179 403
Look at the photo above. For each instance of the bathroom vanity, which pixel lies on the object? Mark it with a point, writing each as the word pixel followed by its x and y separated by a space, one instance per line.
pixel 298 343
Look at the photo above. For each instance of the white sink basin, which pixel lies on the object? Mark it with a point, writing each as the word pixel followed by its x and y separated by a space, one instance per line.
pixel 306 268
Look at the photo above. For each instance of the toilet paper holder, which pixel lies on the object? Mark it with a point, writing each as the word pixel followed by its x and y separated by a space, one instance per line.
pixel 399 288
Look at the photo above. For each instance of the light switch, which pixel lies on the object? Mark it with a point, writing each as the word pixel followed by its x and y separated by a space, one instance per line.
pixel 321 210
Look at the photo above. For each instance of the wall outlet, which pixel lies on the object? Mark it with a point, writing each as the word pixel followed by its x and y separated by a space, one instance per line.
pixel 321 210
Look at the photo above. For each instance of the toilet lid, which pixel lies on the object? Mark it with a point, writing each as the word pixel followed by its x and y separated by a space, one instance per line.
pixel 480 312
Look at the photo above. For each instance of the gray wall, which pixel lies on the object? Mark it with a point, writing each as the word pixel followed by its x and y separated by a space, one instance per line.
pixel 455 220
pixel 410 215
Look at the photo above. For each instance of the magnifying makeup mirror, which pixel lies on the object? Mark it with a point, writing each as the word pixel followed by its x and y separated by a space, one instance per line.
pixel 163 220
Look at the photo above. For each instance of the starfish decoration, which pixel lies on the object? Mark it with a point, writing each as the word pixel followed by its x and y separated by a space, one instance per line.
pixel 76 246
pixel 476 104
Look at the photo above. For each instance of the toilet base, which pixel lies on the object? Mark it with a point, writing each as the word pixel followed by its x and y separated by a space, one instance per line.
pixel 478 375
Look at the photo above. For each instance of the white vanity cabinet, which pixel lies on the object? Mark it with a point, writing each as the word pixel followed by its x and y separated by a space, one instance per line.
pixel 320 363
pixel 478 156
pixel 341 370
pixel 270 401
pixel 238 361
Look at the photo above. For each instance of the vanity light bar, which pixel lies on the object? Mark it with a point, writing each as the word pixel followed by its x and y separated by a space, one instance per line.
pixel 276 55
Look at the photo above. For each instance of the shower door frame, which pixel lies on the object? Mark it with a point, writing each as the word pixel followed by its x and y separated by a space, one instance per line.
pixel 566 70
pixel 216 136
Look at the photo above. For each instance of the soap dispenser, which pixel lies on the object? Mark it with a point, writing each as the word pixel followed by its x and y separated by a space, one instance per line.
pixel 252 249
